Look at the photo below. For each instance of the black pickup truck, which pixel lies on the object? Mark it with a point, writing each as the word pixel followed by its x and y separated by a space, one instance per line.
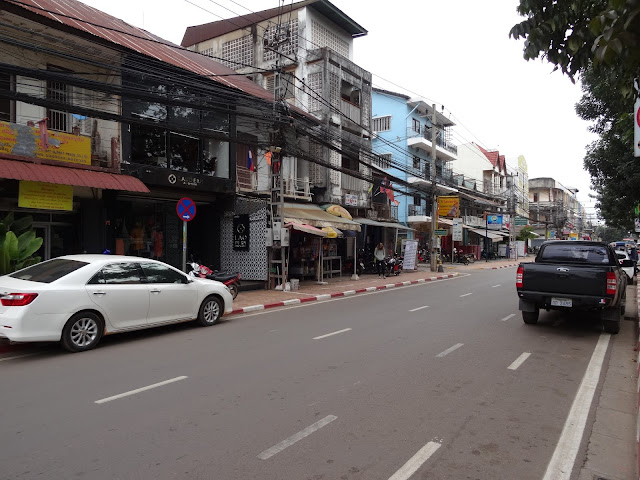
pixel 573 275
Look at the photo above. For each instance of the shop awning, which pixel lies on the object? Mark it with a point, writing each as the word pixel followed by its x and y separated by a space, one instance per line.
pixel 333 232
pixel 303 227
pixel 489 234
pixel 315 216
pixel 376 223
pixel 427 219
pixel 35 172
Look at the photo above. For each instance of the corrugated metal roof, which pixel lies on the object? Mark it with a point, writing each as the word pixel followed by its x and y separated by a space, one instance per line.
pixel 207 31
pixel 35 172
pixel 82 17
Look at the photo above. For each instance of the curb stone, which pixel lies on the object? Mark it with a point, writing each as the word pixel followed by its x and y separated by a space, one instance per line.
pixel 327 296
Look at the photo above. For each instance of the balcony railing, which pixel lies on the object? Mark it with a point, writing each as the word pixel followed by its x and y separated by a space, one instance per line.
pixel 349 110
pixel 440 141
pixel 348 182
pixel 416 210
pixel 245 179
pixel 385 211
pixel 297 187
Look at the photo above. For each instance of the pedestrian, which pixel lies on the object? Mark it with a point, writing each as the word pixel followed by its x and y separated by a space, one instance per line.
pixel 633 255
pixel 378 255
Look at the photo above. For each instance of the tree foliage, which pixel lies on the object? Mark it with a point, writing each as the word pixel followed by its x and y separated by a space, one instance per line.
pixel 572 34
pixel 609 234
pixel 526 233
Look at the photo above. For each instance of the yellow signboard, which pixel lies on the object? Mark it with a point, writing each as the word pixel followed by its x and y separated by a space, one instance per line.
pixel 27 141
pixel 449 207
pixel 573 236
pixel 45 196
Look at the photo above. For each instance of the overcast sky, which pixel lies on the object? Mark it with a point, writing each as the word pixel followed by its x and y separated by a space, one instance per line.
pixel 456 53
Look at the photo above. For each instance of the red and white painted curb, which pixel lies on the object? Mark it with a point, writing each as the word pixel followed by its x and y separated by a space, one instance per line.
pixel 327 296
pixel 504 266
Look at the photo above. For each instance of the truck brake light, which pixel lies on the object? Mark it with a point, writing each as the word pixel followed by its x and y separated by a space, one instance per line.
pixel 612 283
pixel 519 274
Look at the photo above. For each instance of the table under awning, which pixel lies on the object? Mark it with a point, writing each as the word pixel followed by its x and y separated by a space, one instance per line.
pixel 315 216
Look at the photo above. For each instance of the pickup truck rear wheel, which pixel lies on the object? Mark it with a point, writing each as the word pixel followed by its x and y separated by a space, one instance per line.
pixel 611 320
pixel 531 318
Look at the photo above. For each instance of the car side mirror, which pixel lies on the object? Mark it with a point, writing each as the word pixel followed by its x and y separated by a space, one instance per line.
pixel 626 263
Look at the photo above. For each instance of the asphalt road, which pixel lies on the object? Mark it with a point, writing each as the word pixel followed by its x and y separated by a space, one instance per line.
pixel 439 381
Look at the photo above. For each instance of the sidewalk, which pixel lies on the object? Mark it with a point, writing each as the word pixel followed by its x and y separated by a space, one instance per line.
pixel 339 286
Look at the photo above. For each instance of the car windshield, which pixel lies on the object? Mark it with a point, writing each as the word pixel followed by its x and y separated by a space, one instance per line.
pixel 49 271
pixel 572 253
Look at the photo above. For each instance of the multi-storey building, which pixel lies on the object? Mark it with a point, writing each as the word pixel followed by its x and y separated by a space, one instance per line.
pixel 317 75
pixel 555 209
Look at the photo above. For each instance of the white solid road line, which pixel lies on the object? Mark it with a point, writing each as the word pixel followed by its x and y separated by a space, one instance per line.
pixel 270 452
pixel 416 461
pixel 138 390
pixel 466 294
pixel 494 286
pixel 507 317
pixel 19 356
pixel 332 333
pixel 564 456
pixel 519 361
pixel 419 308
pixel 449 350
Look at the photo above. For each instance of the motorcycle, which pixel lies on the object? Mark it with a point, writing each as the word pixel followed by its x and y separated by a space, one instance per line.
pixel 393 265
pixel 231 280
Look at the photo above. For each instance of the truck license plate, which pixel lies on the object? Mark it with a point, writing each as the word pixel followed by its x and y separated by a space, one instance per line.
pixel 561 302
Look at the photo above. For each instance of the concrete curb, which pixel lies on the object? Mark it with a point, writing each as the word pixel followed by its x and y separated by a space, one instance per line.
pixel 327 296
pixel 503 266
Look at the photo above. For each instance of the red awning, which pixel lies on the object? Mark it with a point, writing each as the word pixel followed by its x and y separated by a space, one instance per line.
pixel 69 176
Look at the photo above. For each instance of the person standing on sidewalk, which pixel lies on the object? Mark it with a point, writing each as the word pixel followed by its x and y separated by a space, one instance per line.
pixel 378 255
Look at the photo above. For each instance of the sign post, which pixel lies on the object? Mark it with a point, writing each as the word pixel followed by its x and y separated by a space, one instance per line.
pixel 186 209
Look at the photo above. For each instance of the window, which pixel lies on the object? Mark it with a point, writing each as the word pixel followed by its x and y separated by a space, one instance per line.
pixel 237 53
pixel 535 197
pixel 118 274
pixel 572 253
pixel 60 92
pixel 49 271
pixel 416 162
pixel 415 125
pixel 157 273
pixel 383 160
pixel 417 200
pixel 287 84
pixel 382 124
pixel 323 37
pixel 6 105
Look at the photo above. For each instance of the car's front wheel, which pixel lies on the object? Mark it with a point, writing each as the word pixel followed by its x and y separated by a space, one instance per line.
pixel 82 332
pixel 210 311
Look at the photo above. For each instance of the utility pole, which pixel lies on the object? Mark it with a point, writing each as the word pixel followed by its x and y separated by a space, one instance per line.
pixel 434 197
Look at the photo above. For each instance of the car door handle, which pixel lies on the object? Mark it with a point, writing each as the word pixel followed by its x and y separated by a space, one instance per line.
pixel 155 291
pixel 99 293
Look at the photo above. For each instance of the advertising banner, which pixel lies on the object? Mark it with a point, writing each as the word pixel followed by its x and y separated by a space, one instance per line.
pixel 448 206
pixel 39 142
pixel 241 232
pixel 45 196
pixel 494 222
pixel 410 255
pixel 457 230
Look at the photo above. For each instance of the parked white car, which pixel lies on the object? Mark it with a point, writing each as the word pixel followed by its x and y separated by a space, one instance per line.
pixel 622 256
pixel 76 299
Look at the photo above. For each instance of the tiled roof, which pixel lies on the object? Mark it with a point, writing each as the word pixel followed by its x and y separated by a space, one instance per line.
pixel 495 158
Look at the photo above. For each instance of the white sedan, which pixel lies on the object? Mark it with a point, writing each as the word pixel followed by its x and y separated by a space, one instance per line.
pixel 76 299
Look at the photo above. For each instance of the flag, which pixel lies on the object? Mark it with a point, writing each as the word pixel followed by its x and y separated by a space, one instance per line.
pixel 370 188
pixel 389 192
pixel 267 155
pixel 250 161
pixel 382 185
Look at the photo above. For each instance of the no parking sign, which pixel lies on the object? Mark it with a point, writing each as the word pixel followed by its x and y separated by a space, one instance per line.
pixel 186 209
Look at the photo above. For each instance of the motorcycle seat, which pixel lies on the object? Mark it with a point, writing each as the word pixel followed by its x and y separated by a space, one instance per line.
pixel 222 277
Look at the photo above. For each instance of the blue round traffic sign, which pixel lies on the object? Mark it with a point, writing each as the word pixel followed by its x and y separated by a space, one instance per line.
pixel 186 209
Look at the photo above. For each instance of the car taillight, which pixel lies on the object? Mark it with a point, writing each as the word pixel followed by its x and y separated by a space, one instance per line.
pixel 612 283
pixel 18 299
pixel 519 274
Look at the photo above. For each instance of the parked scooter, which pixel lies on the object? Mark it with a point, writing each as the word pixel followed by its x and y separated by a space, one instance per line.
pixel 231 280
pixel 394 265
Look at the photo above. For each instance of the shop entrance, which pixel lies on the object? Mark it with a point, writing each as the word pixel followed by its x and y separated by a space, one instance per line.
pixel 56 236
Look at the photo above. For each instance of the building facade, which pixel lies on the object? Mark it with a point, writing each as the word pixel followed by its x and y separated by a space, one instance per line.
pixel 555 210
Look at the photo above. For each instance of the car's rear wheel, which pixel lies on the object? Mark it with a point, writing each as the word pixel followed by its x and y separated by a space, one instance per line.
pixel 210 311
pixel 611 320
pixel 531 318
pixel 82 332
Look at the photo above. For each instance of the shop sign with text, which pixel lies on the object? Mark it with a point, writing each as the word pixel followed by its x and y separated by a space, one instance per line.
pixel 350 200
pixel 45 196
pixel 241 232
pixel 38 142
pixel 448 206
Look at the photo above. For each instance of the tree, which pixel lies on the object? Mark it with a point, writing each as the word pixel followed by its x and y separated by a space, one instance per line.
pixel 609 234
pixel 572 34
pixel 615 172
pixel 526 233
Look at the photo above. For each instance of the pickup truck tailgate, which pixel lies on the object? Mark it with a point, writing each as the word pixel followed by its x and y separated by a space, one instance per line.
pixel 568 279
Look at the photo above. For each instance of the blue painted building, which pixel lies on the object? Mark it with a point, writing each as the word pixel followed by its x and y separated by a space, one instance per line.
pixel 402 139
